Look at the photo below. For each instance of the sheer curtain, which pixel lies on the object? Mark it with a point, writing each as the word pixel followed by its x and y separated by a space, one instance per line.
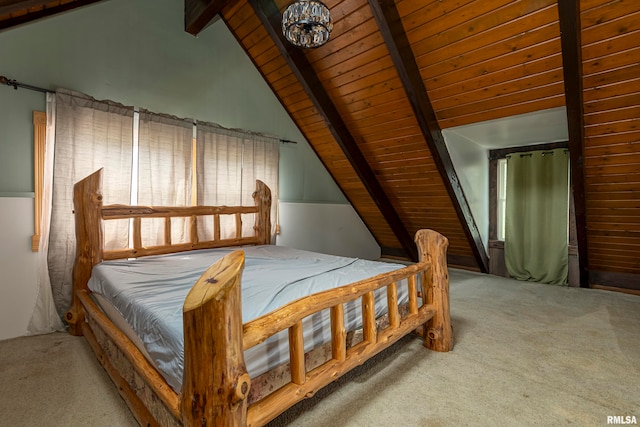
pixel 90 135
pixel 219 169
pixel 228 164
pixel 164 171
pixel 536 221
pixel 93 134
pixel 260 161
pixel 44 317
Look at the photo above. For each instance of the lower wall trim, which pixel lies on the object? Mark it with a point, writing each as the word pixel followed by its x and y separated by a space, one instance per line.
pixel 393 252
pixel 614 279
pixel 462 261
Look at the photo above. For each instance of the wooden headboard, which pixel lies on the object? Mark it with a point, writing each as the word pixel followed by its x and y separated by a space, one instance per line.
pixel 91 215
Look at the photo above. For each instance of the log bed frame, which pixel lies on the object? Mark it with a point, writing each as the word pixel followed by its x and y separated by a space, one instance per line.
pixel 215 380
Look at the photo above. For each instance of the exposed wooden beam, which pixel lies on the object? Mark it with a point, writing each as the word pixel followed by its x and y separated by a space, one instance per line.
pixel 388 19
pixel 569 15
pixel 11 6
pixel 198 13
pixel 270 17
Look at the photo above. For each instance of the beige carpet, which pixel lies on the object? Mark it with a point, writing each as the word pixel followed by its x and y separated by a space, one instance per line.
pixel 526 354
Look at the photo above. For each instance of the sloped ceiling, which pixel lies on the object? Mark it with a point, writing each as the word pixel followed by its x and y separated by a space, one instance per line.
pixel 374 100
pixel 16 12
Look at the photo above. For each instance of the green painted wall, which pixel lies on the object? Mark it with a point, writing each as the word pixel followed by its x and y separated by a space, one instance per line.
pixel 136 52
pixel 16 140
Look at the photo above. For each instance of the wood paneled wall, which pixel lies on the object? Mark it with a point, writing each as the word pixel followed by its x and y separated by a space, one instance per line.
pixel 357 72
pixel 611 84
pixel 479 60
pixel 484 60
pixel 246 26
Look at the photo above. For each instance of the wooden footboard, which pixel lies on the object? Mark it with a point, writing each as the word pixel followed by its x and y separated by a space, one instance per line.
pixel 216 385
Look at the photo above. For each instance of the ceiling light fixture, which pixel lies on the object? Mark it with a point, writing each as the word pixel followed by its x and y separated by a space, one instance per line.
pixel 307 23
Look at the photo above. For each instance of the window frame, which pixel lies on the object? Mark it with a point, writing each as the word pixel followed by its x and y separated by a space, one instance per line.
pixel 501 153
pixel 39 145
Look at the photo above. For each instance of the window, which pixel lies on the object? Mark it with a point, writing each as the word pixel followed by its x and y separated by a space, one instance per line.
pixel 92 134
pixel 497 202
pixel 501 197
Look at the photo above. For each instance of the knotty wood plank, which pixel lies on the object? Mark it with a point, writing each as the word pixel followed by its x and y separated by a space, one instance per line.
pixel 472 78
pixel 504 90
pixel 609 29
pixel 496 28
pixel 519 97
pixel 609 46
pixel 621 126
pixel 465 22
pixel 608 12
pixel 628 113
pixel 610 61
pixel 480 115
pixel 611 90
pixel 631 145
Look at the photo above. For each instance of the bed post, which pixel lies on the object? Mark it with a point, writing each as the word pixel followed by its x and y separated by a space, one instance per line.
pixel 262 199
pixel 215 381
pixel 432 247
pixel 87 207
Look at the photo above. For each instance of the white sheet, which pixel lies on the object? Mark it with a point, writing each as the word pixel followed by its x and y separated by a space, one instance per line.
pixel 149 292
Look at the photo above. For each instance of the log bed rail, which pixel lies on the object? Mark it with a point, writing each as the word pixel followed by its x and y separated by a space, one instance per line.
pixel 216 385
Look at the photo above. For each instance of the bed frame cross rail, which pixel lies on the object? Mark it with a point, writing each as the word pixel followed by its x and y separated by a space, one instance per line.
pixel 193 213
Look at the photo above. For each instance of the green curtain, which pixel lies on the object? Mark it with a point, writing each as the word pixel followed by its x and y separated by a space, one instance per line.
pixel 537 216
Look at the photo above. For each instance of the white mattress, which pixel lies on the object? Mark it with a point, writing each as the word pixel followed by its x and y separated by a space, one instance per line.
pixel 149 293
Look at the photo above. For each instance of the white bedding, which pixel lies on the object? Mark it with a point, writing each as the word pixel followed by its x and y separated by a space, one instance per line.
pixel 149 293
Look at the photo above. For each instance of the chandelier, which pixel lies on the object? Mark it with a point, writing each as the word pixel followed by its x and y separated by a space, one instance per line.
pixel 307 23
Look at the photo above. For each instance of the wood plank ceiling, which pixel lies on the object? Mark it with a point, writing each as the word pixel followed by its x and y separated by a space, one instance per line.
pixel 373 100
pixel 476 60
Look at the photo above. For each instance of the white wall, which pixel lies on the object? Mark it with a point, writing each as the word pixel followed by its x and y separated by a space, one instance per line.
pixel 325 227
pixel 471 163
pixel 17 266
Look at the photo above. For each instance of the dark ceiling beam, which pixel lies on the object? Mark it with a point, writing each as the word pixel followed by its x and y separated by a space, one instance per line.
pixel 395 38
pixel 270 17
pixel 569 15
pixel 198 13
pixel 11 6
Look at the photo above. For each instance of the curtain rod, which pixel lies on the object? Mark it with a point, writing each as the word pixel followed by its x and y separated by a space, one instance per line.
pixel 8 82
pixel 15 84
